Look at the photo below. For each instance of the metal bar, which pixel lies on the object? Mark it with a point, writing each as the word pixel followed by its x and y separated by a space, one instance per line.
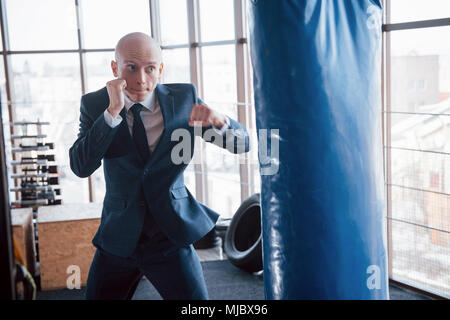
pixel 81 54
pixel 176 46
pixel 418 189
pixel 216 43
pixel 21 123
pixel 418 113
pixel 404 285
pixel 242 92
pixel 8 75
pixel 418 150
pixel 196 78
pixel 78 4
pixel 383 90
pixel 383 107
pixel 388 138
pixel 155 23
pixel 95 50
pixel 32 148
pixel 9 52
pixel 251 127
pixel 19 136
pixel 7 265
pixel 416 24
pixel 45 187
pixel 418 225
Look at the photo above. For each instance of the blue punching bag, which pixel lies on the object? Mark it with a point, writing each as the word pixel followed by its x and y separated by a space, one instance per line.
pixel 317 79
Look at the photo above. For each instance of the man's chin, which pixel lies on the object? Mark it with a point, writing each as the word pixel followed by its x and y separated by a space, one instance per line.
pixel 137 96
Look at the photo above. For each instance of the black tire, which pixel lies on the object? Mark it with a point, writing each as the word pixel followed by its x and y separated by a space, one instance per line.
pixel 243 240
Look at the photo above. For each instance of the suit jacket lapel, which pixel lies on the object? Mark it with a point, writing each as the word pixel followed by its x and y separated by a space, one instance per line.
pixel 166 103
pixel 124 138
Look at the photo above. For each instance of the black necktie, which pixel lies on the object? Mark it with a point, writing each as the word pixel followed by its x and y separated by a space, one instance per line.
pixel 139 135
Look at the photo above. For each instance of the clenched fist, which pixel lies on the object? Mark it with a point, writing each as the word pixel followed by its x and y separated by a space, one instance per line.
pixel 204 114
pixel 116 89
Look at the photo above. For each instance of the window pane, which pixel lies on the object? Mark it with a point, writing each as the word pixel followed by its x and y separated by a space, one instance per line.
pixel 255 177
pixel 45 79
pixel 98 69
pixel 420 70
pixel 420 67
pixel 47 87
pixel 106 21
pixel 2 86
pixel 189 177
pixel 176 66
pixel 222 167
pixel 219 74
pixel 216 20
pixel 420 240
pixel 43 25
pixel 224 194
pixel 174 27
pixel 6 128
pixel 414 10
pixel 99 184
pixel 222 171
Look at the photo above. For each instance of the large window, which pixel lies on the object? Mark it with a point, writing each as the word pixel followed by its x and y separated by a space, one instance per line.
pixel 208 39
pixel 417 144
pixel 57 50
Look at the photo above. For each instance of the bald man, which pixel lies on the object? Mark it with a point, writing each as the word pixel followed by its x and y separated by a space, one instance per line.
pixel 149 219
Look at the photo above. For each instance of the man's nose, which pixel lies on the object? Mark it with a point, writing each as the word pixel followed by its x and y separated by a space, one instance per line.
pixel 141 77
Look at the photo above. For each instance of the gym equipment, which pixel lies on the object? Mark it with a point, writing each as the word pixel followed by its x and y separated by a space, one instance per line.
pixel 243 237
pixel 317 71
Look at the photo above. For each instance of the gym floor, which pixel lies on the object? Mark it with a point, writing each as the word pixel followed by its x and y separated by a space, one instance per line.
pixel 212 254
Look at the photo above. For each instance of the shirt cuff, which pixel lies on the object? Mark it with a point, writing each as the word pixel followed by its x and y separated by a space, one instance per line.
pixel 222 130
pixel 112 122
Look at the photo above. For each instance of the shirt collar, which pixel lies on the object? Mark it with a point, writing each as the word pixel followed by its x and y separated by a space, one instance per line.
pixel 148 103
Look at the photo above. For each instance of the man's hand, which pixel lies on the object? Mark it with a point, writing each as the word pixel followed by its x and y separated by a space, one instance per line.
pixel 207 116
pixel 116 89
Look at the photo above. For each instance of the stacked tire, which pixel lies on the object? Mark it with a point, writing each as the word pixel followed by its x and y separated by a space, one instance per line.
pixel 243 239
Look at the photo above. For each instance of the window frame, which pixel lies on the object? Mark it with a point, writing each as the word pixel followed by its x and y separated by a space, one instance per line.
pixel 244 85
pixel 387 112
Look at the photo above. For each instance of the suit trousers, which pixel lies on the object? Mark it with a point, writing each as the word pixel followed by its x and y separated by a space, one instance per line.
pixel 175 272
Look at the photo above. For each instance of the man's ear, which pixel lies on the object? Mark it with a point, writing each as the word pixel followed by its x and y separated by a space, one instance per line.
pixel 161 67
pixel 114 68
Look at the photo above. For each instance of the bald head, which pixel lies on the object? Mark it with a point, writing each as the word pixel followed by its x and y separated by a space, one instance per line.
pixel 137 43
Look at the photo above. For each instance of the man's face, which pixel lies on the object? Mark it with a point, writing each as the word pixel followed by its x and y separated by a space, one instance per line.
pixel 141 68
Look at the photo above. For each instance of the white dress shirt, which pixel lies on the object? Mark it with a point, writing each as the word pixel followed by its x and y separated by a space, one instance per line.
pixel 152 119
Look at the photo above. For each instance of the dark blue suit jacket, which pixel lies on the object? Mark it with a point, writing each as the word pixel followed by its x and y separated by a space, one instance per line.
pixel 182 219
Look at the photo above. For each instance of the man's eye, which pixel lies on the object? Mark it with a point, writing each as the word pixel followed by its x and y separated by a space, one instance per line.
pixel 151 69
pixel 131 67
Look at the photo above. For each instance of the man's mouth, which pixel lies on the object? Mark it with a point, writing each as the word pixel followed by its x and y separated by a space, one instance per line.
pixel 137 90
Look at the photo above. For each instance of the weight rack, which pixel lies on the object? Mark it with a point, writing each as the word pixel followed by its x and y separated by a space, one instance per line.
pixel 36 178
pixel 37 182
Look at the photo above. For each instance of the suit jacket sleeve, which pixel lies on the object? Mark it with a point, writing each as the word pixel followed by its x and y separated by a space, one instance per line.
pixel 94 138
pixel 235 138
